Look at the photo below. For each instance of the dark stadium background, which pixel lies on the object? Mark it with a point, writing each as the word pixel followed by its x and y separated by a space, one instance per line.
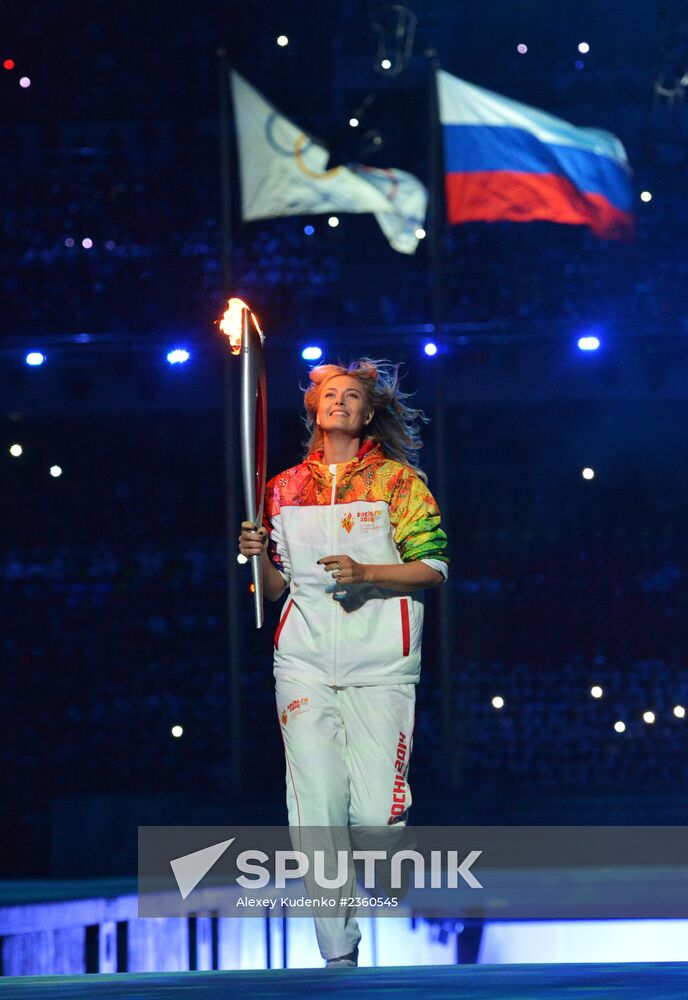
pixel 114 574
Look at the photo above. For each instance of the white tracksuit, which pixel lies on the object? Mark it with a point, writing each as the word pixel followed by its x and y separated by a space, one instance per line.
pixel 347 658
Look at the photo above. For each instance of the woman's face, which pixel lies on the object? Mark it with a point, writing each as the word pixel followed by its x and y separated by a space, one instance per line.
pixel 342 406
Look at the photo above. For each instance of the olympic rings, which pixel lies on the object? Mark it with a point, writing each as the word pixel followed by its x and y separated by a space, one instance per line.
pixel 300 144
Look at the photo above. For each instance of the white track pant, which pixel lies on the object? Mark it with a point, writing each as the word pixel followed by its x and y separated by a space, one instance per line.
pixel 347 753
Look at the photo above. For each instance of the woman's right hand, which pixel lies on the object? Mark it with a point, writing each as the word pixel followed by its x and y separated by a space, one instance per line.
pixel 252 541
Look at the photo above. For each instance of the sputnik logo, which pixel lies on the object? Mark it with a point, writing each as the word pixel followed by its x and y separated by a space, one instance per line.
pixel 191 868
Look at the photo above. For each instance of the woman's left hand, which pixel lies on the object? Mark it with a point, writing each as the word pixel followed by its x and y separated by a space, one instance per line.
pixel 344 569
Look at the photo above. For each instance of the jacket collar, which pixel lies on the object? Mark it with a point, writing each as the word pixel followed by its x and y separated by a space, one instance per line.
pixel 368 453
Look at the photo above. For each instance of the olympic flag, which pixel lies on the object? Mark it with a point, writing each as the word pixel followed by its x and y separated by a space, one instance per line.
pixel 509 161
pixel 284 172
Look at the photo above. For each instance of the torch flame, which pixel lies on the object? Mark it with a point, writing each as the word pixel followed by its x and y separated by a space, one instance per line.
pixel 231 323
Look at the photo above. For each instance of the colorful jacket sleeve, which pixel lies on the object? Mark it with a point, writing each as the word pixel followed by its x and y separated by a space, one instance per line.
pixel 272 521
pixel 415 517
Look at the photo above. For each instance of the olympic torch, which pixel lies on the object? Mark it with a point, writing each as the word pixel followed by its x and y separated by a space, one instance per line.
pixel 246 339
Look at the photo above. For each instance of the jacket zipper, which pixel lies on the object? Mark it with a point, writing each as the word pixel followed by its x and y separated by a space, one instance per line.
pixel 335 609
pixel 282 620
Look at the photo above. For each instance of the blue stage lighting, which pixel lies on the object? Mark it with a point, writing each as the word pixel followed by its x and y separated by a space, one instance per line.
pixel 588 343
pixel 430 349
pixel 35 358
pixel 178 356
pixel 308 230
pixel 311 353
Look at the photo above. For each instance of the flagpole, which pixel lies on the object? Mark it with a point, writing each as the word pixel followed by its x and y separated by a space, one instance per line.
pixel 436 216
pixel 231 479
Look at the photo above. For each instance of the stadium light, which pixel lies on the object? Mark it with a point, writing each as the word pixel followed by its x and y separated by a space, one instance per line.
pixel 55 471
pixel 620 727
pixel 16 450
pixel 498 701
pixel 596 691
pixel 178 356
pixel 588 344
pixel 588 473
pixel 679 711
pixel 522 48
pixel 34 358
pixel 430 349
pixel 177 731
pixel 282 41
pixel 311 353
pixel 646 196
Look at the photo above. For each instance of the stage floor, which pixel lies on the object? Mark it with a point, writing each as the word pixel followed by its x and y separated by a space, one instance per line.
pixel 649 980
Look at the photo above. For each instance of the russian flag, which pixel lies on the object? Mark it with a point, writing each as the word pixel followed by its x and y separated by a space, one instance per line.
pixel 507 161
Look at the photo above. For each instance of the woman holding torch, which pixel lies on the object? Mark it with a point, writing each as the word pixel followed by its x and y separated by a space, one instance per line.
pixel 355 534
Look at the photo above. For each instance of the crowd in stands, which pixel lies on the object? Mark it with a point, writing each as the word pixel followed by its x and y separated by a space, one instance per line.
pixel 112 637
pixel 155 259
pixel 122 645
pixel 153 263
pixel 151 272
pixel 113 583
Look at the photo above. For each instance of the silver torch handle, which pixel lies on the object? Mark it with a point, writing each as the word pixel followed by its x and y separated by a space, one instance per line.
pixel 253 440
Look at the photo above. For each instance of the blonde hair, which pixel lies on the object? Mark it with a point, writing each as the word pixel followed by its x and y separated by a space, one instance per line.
pixel 394 424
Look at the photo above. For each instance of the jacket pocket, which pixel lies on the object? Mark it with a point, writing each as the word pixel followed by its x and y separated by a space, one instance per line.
pixel 278 630
pixel 405 627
